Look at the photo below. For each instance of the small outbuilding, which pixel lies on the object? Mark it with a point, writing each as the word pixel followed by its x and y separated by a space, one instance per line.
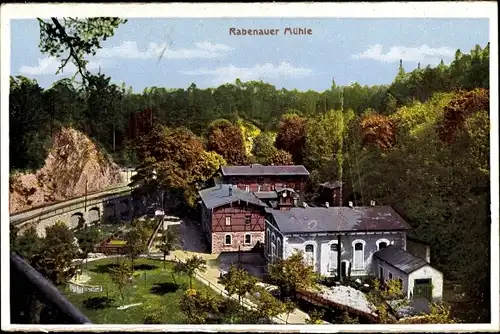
pixel 417 277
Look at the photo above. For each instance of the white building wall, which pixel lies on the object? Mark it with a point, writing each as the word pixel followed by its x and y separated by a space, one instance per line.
pixel 425 273
pixel 322 249
pixel 396 273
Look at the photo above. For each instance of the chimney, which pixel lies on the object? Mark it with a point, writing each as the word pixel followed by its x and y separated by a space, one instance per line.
pixel 350 204
pixel 230 190
pixel 372 203
pixel 327 204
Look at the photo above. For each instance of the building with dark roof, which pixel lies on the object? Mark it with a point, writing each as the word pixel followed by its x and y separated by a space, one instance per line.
pixel 417 277
pixel 260 178
pixel 342 241
pixel 232 219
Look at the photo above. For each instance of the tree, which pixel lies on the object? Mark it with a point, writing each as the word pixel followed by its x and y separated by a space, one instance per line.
pixel 239 282
pixel 26 244
pixel 227 140
pixel 54 261
pixel 197 306
pixel 136 243
pixel 292 274
pixel 75 38
pixel 377 130
pixel 121 276
pixel 263 146
pixel 91 235
pixel 179 159
pixel 167 244
pixel 192 264
pixel 291 136
pixel 459 109
pixel 280 158
pixel 315 317
pixel 269 306
pixel 289 308
pixel 28 145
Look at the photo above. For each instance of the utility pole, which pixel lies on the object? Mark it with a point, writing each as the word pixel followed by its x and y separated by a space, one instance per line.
pixel 86 182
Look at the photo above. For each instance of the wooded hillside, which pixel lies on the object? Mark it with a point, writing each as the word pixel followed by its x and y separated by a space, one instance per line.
pixel 420 144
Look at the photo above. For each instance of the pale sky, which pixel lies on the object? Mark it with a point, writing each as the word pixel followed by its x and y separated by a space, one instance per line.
pixel 202 51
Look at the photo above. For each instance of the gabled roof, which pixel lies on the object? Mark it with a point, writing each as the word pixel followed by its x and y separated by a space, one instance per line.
pixel 338 219
pixel 219 195
pixel 261 170
pixel 401 259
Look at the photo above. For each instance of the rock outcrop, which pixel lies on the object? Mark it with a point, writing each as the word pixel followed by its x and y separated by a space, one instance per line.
pixel 74 165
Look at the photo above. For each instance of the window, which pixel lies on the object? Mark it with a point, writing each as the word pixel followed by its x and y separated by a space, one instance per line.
pixel 310 255
pixel 382 243
pixel 228 239
pixel 334 248
pixel 381 274
pixel 248 219
pixel 400 280
pixel 390 275
pixel 248 239
pixel 278 253
pixel 273 238
pixel 247 188
pixel 359 254
pixel 228 220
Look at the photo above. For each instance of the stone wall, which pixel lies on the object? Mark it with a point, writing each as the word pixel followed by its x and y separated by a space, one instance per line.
pixel 237 241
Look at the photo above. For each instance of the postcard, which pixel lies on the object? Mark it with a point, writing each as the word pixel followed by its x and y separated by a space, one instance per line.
pixel 245 167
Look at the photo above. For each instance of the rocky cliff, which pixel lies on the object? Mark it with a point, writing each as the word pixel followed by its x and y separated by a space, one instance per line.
pixel 74 165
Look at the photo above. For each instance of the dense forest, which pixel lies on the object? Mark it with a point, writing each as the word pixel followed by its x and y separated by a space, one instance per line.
pixel 420 144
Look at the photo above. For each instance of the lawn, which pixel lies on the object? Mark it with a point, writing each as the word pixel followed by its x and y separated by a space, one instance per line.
pixel 154 287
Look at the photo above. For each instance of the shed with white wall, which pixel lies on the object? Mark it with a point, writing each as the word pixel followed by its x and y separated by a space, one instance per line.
pixel 419 279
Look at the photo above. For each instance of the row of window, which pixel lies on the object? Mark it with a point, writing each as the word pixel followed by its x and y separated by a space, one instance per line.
pixel 228 239
pixel 248 220
pixel 259 187
pixel 358 256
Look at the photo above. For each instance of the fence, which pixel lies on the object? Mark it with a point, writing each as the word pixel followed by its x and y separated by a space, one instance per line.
pixel 82 288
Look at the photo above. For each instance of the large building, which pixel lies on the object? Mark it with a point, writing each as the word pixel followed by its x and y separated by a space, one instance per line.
pixel 233 211
pixel 352 241
pixel 258 178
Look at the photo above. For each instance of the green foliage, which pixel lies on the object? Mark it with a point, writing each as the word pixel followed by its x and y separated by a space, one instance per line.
pixel 179 158
pixel 167 243
pixel 280 158
pixel 137 242
pixel 315 317
pixel 73 38
pixel 227 140
pixel 192 264
pixel 88 238
pixel 263 145
pixel 269 306
pixel 291 136
pixel 121 276
pixel 239 282
pixel 30 142
pixel 292 274
pixel 54 261
pixel 26 244
pixel 197 306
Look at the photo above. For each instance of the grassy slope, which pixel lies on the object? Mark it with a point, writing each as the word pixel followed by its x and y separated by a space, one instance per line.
pixel 155 290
